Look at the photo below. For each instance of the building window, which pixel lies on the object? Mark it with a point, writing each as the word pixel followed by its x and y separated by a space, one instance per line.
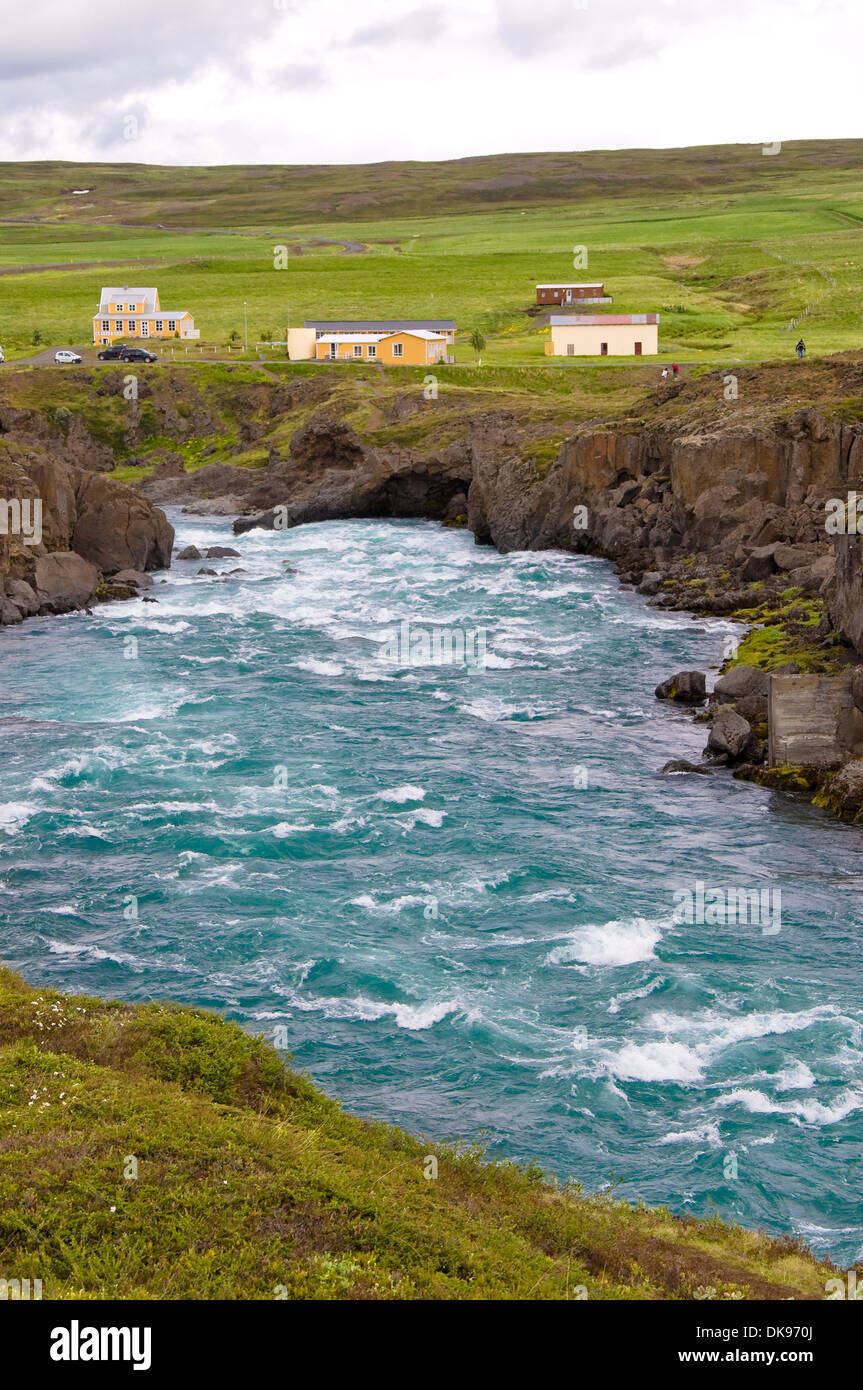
pixel 131 325
pixel 358 349
pixel 119 308
pixel 172 324
pixel 398 349
pixel 106 324
pixel 556 294
pixel 570 349
pixel 158 325
pixel 118 325
pixel 373 349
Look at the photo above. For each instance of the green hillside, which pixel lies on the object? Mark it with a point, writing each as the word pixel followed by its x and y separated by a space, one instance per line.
pixel 152 1151
pixel 740 252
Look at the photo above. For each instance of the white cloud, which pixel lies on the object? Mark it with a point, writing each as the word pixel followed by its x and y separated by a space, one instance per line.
pixel 300 81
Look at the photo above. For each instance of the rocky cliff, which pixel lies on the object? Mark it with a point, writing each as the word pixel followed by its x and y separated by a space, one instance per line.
pixel 705 504
pixel 742 504
pixel 69 534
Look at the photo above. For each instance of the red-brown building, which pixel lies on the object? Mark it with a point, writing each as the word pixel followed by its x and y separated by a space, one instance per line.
pixel 559 292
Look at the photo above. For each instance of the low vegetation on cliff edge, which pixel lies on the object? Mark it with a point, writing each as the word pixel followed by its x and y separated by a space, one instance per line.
pixel 155 1151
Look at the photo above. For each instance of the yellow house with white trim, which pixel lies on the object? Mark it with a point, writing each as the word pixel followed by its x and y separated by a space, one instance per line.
pixel 133 312
pixel 412 347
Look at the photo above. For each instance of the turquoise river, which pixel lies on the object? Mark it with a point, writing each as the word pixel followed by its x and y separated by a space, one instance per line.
pixel 446 889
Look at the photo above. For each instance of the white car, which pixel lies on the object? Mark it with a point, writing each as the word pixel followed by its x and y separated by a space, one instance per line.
pixel 2 358
pixel 64 355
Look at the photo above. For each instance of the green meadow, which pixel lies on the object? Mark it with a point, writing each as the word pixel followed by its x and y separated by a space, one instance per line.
pixel 740 253
pixel 152 1151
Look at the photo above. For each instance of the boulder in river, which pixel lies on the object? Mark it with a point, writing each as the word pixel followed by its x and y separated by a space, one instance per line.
pixel 10 613
pixel 23 596
pixel 730 735
pixel 739 682
pixel 687 688
pixel 135 577
pixel 64 581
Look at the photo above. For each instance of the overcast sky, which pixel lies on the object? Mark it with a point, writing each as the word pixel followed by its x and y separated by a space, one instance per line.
pixel 342 81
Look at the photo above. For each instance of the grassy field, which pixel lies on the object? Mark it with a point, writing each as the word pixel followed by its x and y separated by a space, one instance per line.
pixel 739 252
pixel 152 1151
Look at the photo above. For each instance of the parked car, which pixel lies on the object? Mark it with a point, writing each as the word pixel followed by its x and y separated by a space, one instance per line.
pixel 113 353
pixel 138 355
pixel 65 355
pixel 2 358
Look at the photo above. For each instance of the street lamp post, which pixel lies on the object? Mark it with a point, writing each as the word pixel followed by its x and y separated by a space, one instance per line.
pixel 245 327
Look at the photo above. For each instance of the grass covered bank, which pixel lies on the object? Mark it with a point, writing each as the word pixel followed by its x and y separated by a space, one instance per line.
pixel 251 1184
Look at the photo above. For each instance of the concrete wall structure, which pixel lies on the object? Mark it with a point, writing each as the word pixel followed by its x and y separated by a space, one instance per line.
pixel 813 721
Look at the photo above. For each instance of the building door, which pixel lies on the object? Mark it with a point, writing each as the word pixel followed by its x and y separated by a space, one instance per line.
pixel 603 349
pixel 334 348
pixel 569 296
pixel 638 349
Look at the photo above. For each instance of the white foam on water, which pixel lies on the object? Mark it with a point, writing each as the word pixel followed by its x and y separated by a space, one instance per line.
pixel 286 828
pixel 707 1133
pixel 408 792
pixel 504 663
pixel 157 625
pixel 411 1017
pixel 219 743
pixel 423 816
pixel 629 996
pixel 797 1077
pixel 810 1111
pixel 550 895
pixel 714 1032
pixel 609 943
pixel 319 668
pixel 371 904
pixel 90 952
pixel 493 709
pixel 14 815
pixel 656 1061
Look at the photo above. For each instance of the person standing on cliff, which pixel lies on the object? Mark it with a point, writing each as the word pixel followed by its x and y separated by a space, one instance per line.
pixel 801 348
pixel 676 370
pixel 664 374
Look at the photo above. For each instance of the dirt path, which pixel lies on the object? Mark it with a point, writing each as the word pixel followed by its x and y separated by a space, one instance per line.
pixel 67 265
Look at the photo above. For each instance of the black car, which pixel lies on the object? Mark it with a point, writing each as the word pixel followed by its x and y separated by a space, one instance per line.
pixel 114 353
pixel 138 355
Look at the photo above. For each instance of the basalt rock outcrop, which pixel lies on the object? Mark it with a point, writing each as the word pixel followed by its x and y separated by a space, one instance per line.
pixel 331 473
pixel 745 502
pixel 687 688
pixel 83 528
